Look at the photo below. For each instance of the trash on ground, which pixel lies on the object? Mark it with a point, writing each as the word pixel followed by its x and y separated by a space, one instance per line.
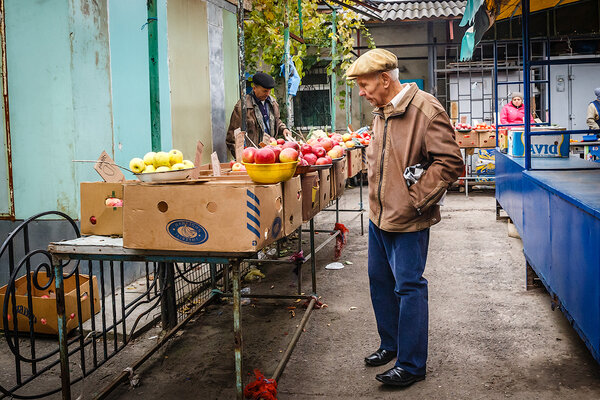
pixel 334 265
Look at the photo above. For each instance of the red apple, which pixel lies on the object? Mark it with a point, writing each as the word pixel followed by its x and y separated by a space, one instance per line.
pixel 280 141
pixel 322 161
pixel 266 155
pixel 311 158
pixel 327 144
pixel 231 163
pixel 319 151
pixel 277 151
pixel 303 163
pixel 292 145
pixel 329 160
pixel 306 149
pixel 248 154
pixel 238 167
pixel 288 155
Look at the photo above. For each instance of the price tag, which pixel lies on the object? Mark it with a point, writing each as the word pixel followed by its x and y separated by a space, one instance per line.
pixel 239 144
pixel 195 173
pixel 107 170
pixel 216 164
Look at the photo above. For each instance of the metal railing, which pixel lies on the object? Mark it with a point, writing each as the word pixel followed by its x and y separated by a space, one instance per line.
pixel 102 315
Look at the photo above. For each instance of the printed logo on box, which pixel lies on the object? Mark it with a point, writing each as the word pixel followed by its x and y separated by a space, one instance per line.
pixel 186 231
pixel 276 227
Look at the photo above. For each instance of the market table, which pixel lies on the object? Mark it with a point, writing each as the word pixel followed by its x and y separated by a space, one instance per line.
pixel 109 249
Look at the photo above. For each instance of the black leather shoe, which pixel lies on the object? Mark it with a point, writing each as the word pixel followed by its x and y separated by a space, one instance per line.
pixel 380 357
pixel 398 377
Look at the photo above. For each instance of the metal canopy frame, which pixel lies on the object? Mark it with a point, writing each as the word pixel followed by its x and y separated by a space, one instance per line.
pixel 528 63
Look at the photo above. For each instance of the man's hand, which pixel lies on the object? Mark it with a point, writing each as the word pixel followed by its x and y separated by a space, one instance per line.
pixel 287 133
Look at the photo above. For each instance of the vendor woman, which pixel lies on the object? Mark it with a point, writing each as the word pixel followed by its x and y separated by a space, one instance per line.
pixel 514 111
pixel 262 113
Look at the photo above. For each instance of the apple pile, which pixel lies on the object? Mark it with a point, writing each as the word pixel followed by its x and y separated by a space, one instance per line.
pixel 350 140
pixel 484 127
pixel 160 162
pixel 462 127
pixel 277 152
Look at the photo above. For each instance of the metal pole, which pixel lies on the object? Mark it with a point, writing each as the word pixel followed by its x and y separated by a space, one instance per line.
pixel 154 74
pixel 62 329
pixel 292 345
pixel 333 65
pixel 496 89
pixel 313 259
pixel 241 63
pixel 168 309
pixel 526 83
pixel 237 329
pixel 286 57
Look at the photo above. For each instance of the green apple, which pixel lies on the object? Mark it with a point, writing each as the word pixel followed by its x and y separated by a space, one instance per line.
pixel 188 164
pixel 163 169
pixel 161 159
pixel 137 165
pixel 177 166
pixel 149 158
pixel 149 168
pixel 175 157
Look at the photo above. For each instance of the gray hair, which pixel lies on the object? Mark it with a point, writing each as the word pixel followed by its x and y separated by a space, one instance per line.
pixel 394 74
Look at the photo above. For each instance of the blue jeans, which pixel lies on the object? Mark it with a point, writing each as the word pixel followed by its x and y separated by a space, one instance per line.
pixel 399 294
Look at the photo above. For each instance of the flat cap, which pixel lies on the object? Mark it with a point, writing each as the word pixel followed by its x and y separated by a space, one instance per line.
pixel 376 60
pixel 264 80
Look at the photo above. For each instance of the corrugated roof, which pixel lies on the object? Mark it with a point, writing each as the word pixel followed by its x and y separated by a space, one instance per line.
pixel 413 10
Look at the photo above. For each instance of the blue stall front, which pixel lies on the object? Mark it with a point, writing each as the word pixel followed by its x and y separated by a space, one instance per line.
pixel 556 209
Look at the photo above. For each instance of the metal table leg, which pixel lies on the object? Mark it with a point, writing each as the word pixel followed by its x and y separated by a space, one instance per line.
pixel 62 330
pixel 237 328
pixel 168 309
pixel 313 258
pixel 299 262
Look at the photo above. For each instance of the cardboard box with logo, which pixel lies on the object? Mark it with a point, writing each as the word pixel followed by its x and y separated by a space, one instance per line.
pixel 310 195
pixel 541 145
pixel 43 309
pixel 216 216
pixel 324 188
pixel 292 205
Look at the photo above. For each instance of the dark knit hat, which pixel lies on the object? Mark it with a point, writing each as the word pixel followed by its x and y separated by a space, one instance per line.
pixel 264 80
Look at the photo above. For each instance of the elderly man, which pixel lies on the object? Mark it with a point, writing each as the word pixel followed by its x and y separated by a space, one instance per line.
pixel 262 113
pixel 593 111
pixel 413 159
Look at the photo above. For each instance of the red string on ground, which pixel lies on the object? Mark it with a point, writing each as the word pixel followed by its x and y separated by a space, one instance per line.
pixel 261 388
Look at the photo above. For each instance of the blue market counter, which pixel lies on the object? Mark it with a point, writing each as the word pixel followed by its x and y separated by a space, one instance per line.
pixel 556 208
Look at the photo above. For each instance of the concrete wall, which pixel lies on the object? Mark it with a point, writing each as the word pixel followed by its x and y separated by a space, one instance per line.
pixel 130 80
pixel 190 76
pixel 60 103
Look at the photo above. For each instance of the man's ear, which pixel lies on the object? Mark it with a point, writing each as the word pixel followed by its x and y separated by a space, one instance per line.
pixel 386 79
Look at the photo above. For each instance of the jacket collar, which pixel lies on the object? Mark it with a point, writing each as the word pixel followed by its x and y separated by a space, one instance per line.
pixel 251 102
pixel 388 110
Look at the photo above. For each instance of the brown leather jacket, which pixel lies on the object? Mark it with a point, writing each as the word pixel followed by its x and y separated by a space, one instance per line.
pixel 255 127
pixel 416 131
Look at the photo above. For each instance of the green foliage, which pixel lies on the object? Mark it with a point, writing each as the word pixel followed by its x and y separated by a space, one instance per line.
pixel 264 41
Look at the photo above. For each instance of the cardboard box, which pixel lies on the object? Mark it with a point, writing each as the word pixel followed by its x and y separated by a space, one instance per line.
pixel 96 217
pixel 310 195
pixel 45 319
pixel 541 146
pixel 354 162
pixel 324 188
pixel 339 178
pixel 218 216
pixel 292 205
pixel 467 139
pixel 487 139
pixel 503 138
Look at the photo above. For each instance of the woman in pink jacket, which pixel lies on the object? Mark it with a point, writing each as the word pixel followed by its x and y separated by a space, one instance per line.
pixel 514 111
